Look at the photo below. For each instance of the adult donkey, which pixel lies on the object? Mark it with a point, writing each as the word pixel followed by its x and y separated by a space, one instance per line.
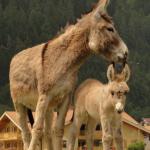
pixel 42 77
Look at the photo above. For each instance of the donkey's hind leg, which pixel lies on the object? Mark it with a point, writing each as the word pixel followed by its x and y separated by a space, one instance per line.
pixel 91 125
pixel 23 122
pixel 37 130
pixel 58 128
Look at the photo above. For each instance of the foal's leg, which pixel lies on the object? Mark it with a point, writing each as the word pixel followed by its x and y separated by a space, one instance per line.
pixel 58 129
pixel 23 121
pixel 107 133
pixel 40 113
pixel 74 132
pixel 47 138
pixel 118 137
pixel 91 125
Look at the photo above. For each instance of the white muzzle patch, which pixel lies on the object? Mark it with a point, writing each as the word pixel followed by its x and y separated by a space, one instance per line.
pixel 119 107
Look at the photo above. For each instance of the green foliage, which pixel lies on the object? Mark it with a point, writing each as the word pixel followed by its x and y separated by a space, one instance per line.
pixel 136 146
pixel 26 23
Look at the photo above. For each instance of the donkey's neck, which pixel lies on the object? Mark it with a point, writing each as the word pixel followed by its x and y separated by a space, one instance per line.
pixel 65 53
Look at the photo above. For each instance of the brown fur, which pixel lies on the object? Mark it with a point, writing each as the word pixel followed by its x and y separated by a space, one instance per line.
pixel 42 77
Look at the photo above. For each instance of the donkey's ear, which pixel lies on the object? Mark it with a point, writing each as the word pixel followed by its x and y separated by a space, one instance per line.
pixel 110 73
pixel 101 8
pixel 126 72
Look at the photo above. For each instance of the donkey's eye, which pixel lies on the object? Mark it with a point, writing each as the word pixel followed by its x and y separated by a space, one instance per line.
pixel 110 29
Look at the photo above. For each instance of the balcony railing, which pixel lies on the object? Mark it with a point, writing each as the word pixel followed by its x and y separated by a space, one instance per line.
pixel 10 136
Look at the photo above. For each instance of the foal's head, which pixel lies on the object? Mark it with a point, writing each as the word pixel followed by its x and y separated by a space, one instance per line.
pixel 118 87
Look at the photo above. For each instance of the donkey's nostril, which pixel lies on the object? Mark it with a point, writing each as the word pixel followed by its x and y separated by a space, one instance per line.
pixel 125 55
pixel 119 111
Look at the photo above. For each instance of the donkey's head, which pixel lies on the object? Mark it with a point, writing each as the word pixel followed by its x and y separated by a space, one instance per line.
pixel 118 87
pixel 103 37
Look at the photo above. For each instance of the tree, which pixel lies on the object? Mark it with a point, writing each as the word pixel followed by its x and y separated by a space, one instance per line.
pixel 136 146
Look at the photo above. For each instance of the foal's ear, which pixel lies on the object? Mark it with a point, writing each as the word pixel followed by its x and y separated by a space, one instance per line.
pixel 126 72
pixel 110 73
pixel 101 8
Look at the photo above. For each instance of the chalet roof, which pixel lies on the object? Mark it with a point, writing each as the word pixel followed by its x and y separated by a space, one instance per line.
pixel 11 115
pixel 146 120
pixel 147 127
pixel 126 116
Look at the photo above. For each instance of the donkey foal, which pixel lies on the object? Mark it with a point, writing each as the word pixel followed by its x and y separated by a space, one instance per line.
pixel 97 102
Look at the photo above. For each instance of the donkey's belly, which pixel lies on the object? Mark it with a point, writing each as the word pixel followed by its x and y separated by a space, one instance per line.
pixel 58 93
pixel 95 115
pixel 29 99
pixel 92 108
pixel 60 90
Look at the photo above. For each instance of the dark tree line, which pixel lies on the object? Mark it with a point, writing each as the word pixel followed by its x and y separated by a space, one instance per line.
pixel 29 22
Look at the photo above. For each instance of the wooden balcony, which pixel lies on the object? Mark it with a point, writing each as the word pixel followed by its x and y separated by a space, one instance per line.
pixel 10 136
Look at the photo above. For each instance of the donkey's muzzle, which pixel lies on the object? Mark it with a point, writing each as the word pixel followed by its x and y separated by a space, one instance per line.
pixel 119 107
pixel 123 59
pixel 120 111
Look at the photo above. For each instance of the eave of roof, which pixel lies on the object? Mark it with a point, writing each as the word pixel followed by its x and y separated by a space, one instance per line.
pixel 10 118
pixel 139 126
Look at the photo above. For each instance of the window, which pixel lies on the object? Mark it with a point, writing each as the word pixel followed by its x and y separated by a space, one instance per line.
pixel 7 145
pixel 81 143
pixel 83 127
pixel 97 143
pixel 98 127
pixel 10 145
pixel 1 145
pixel 14 129
pixel 64 143
pixel 14 144
pixel 7 129
pixel 1 131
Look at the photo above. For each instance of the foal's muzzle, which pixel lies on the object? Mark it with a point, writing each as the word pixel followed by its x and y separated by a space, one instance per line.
pixel 119 107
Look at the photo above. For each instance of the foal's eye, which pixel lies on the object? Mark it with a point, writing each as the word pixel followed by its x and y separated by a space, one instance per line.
pixel 110 29
pixel 112 93
pixel 125 93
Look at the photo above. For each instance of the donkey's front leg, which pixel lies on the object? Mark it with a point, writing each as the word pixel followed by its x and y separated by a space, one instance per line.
pixel 58 129
pixel 107 133
pixel 118 137
pixel 47 138
pixel 40 112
